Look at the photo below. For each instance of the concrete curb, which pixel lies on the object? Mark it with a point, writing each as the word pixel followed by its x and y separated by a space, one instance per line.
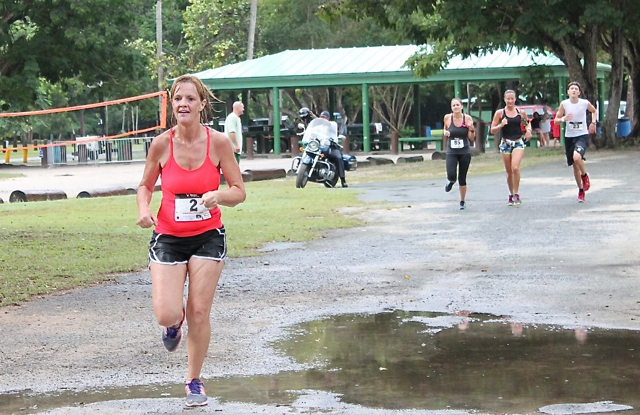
pixel 36 195
pixel 115 191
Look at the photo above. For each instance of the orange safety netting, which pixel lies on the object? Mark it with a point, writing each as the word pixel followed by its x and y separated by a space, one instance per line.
pixel 162 125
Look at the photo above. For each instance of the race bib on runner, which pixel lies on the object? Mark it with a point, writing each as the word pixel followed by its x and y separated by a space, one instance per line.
pixel 457 143
pixel 189 208
pixel 575 125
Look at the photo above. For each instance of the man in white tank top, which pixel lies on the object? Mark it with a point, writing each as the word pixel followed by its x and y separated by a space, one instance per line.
pixel 573 112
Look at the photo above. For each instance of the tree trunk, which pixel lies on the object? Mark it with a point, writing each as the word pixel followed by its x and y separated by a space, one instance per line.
pixel 590 51
pixel 633 102
pixel 83 126
pixel 252 28
pixel 632 54
pixel 572 57
pixel 615 89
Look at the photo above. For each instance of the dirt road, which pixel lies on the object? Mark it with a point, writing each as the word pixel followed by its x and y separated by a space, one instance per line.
pixel 550 261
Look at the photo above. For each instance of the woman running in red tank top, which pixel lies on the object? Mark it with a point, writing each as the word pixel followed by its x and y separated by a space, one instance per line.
pixel 189 238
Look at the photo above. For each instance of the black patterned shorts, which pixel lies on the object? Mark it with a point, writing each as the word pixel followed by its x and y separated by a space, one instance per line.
pixel 578 144
pixel 171 250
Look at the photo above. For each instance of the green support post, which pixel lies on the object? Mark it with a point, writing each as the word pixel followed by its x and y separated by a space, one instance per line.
pixel 276 121
pixel 561 94
pixel 245 119
pixel 332 101
pixel 417 122
pixel 457 88
pixel 366 136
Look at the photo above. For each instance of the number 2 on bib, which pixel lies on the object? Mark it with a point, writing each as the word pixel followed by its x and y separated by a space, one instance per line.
pixel 189 208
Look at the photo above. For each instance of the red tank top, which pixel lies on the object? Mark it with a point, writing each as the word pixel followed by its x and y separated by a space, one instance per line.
pixel 181 213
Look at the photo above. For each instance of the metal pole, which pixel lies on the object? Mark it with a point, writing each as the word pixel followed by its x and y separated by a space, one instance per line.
pixel 366 136
pixel 457 88
pixel 276 121
pixel 417 122
pixel 561 94
pixel 601 95
pixel 159 51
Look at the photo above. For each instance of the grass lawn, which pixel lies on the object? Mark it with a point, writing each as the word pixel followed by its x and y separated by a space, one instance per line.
pixel 9 175
pixel 59 245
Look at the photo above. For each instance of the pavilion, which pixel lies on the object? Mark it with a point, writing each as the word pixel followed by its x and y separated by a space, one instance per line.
pixel 376 65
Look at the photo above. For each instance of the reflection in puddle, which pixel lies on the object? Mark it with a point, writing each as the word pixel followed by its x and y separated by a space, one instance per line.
pixel 401 360
pixel 434 361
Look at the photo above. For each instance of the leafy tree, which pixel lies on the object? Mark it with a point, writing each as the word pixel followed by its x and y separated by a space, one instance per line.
pixel 304 30
pixel 58 39
pixel 308 29
pixel 571 29
pixel 216 32
pixel 174 57
pixel 393 104
pixel 631 51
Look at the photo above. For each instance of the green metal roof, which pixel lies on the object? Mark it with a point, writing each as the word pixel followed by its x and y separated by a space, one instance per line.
pixel 371 65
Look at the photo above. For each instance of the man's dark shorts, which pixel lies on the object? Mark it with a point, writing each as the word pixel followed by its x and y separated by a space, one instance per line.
pixel 171 250
pixel 578 144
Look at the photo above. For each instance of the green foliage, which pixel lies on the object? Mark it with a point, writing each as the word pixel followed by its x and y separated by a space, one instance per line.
pixel 57 39
pixel 287 25
pixel 216 32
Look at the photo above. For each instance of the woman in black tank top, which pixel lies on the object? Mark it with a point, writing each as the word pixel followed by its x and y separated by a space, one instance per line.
pixel 509 121
pixel 458 133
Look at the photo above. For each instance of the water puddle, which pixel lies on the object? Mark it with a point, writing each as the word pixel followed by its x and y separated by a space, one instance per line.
pixel 417 360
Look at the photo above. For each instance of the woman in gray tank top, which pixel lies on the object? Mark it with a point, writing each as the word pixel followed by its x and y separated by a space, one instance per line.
pixel 458 133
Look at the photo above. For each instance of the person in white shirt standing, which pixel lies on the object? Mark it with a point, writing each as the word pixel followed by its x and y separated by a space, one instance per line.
pixel 233 128
pixel 573 112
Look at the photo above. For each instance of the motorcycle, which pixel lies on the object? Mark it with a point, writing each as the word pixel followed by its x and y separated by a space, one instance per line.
pixel 313 165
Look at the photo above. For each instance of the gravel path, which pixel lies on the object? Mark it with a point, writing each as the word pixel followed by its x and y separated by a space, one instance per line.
pixel 550 261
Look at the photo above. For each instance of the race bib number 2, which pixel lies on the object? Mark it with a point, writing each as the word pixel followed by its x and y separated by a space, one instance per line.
pixel 189 208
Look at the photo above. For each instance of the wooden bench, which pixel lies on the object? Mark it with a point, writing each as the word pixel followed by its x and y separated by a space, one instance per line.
pixel 436 138
pixel 377 142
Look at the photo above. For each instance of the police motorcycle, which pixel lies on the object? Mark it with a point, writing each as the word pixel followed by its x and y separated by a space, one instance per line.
pixel 313 165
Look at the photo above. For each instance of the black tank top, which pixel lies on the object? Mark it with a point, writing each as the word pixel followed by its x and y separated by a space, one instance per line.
pixel 512 130
pixel 458 142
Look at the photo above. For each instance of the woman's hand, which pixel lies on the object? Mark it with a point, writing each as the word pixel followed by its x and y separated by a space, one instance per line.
pixel 446 133
pixel 146 218
pixel 210 199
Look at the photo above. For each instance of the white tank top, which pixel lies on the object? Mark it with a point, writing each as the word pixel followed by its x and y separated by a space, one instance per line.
pixel 578 125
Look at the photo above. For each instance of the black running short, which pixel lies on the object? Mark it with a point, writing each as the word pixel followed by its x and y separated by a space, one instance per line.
pixel 578 144
pixel 170 250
